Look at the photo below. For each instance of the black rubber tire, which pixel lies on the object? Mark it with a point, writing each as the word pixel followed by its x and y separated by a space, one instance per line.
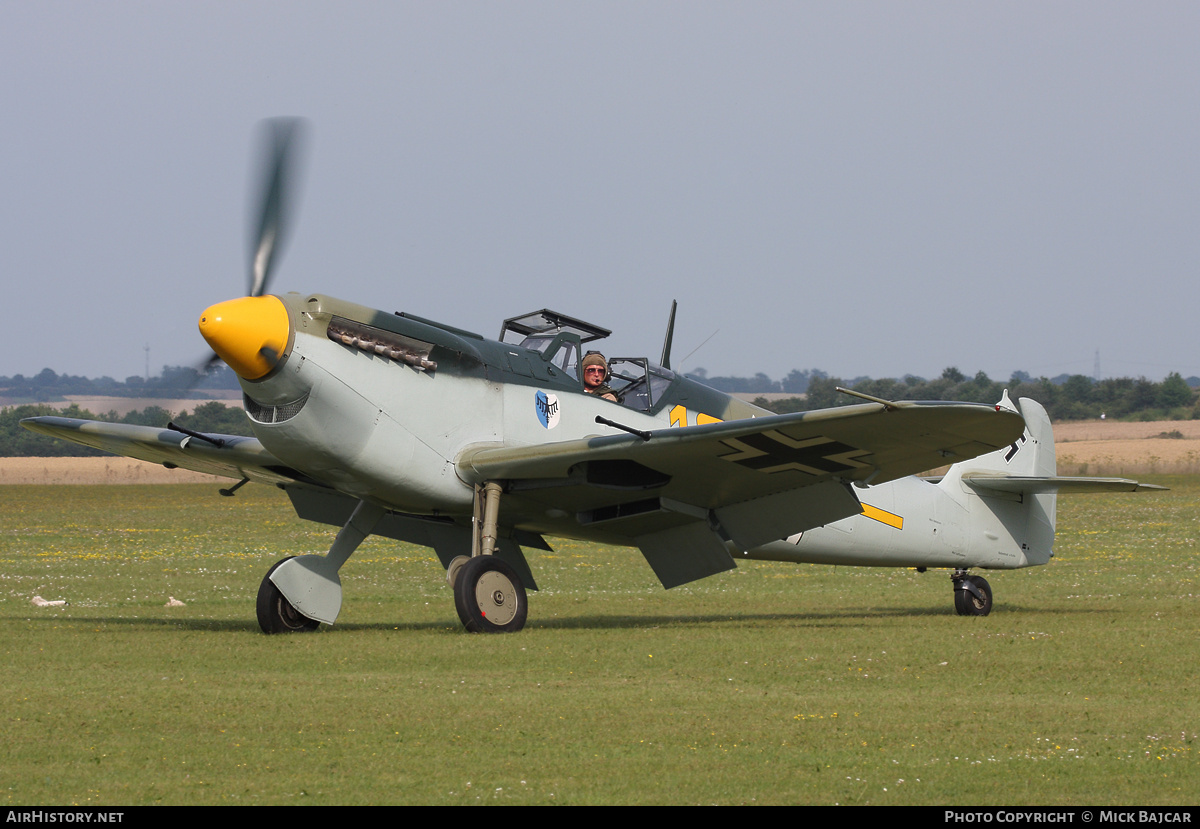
pixel 489 596
pixel 967 604
pixel 275 613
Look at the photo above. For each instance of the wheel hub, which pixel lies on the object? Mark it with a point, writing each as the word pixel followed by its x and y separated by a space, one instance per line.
pixel 497 598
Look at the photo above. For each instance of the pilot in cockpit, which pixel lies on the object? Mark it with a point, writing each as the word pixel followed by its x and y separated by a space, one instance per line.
pixel 595 373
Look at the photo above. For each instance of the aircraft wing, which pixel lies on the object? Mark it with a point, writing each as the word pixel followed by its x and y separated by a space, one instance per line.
pixel 237 457
pixel 678 495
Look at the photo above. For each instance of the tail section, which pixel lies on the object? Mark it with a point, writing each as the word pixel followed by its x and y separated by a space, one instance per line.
pixel 1011 494
pixel 1011 510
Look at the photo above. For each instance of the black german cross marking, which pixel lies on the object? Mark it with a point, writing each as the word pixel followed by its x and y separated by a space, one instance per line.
pixel 775 452
pixel 1016 445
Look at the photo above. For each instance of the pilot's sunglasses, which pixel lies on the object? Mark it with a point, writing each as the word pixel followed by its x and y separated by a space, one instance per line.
pixel 590 369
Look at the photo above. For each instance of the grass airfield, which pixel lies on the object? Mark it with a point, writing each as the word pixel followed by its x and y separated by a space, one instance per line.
pixel 774 684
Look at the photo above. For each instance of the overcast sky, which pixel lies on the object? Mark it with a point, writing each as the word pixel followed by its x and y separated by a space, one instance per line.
pixel 866 188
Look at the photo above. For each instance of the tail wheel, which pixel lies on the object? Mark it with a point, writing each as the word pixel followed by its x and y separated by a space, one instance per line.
pixel 275 613
pixel 489 596
pixel 967 603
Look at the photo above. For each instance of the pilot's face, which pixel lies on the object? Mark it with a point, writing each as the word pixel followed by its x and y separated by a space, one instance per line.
pixel 593 376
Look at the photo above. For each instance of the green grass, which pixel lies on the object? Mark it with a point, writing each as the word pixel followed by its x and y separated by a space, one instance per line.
pixel 772 684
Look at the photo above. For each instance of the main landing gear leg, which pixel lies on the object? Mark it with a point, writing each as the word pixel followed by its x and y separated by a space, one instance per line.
pixel 488 594
pixel 972 594
pixel 300 592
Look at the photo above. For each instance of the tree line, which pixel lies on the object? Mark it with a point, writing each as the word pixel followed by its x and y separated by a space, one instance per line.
pixel 18 442
pixel 1076 397
pixel 175 381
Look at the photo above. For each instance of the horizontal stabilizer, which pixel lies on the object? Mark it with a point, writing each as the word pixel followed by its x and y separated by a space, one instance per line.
pixel 1061 485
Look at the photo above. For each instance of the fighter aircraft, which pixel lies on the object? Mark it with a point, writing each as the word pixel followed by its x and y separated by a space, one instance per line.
pixel 391 424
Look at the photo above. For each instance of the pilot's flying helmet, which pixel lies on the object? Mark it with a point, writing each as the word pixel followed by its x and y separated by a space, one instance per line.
pixel 594 358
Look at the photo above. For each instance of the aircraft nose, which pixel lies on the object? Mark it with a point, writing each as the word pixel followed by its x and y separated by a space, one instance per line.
pixel 250 333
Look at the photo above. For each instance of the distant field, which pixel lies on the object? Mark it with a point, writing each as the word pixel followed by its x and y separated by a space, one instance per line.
pixel 124 405
pixel 110 470
pixel 1095 430
pixel 1095 447
pixel 771 684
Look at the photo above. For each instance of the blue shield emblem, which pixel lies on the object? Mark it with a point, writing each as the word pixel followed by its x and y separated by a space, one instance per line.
pixel 547 409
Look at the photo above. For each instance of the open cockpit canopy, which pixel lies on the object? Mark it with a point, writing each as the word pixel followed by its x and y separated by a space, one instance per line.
pixel 558 337
pixel 638 383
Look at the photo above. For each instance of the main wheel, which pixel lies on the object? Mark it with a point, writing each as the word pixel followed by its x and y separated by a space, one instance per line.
pixel 489 596
pixel 275 613
pixel 967 603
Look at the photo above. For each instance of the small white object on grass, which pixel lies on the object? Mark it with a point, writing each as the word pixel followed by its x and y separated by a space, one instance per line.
pixel 40 602
pixel 174 602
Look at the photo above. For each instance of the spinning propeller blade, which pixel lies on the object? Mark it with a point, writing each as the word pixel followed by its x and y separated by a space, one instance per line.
pixel 281 146
pixel 278 173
